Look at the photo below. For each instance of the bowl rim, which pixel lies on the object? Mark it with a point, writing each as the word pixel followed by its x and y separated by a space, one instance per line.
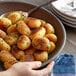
pixel 57 19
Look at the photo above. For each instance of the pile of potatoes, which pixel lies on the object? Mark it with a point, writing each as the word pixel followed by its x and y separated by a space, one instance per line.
pixel 25 39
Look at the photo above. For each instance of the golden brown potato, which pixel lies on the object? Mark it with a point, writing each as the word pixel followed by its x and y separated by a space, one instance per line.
pixel 5 22
pixel 42 22
pixel 34 23
pixel 30 51
pixel 49 28
pixel 8 64
pixel 26 20
pixel 40 33
pixel 6 56
pixel 41 56
pixel 4 45
pixel 11 38
pixel 52 47
pixel 23 28
pixel 27 58
pixel 23 42
pixel 17 52
pixel 2 34
pixel 41 43
pixel 12 29
pixel 51 37
pixel 14 16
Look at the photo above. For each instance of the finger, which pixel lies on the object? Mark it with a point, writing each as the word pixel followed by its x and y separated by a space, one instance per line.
pixel 34 65
pixel 46 70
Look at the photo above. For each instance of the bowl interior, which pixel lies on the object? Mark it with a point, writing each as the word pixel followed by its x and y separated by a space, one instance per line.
pixel 41 14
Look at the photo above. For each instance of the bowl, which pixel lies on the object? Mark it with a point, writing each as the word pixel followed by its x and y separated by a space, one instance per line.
pixel 44 14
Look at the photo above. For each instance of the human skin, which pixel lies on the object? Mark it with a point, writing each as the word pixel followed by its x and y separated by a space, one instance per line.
pixel 28 69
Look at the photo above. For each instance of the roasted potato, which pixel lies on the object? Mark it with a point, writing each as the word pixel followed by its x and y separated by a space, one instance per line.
pixel 42 22
pixel 41 56
pixel 23 42
pixel 4 45
pixel 17 53
pixel 23 28
pixel 40 33
pixel 49 28
pixel 6 56
pixel 2 34
pixel 41 43
pixel 14 16
pixel 52 44
pixel 8 64
pixel 5 22
pixel 11 38
pixel 26 20
pixel 51 37
pixel 27 58
pixel 34 23
pixel 11 29
pixel 30 51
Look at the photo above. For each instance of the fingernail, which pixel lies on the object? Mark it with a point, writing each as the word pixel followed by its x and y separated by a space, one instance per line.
pixel 39 62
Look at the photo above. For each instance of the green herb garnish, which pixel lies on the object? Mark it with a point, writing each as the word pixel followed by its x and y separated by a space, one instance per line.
pixel 48 46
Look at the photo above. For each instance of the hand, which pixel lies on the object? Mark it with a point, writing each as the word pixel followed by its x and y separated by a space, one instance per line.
pixel 28 69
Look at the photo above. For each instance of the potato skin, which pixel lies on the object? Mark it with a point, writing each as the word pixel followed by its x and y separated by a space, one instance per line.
pixel 27 58
pixel 41 43
pixel 14 16
pixel 42 22
pixel 30 51
pixel 8 64
pixel 23 42
pixel 49 28
pixel 23 28
pixel 4 45
pixel 2 34
pixel 34 23
pixel 12 29
pixel 5 22
pixel 6 56
pixel 17 52
pixel 40 33
pixel 41 56
pixel 52 44
pixel 51 37
pixel 11 38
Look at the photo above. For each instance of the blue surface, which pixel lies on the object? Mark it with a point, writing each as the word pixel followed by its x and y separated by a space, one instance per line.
pixel 64 64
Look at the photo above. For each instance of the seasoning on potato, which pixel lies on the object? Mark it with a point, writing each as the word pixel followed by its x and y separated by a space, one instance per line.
pixel 41 43
pixel 52 44
pixel 5 22
pixel 34 23
pixel 6 56
pixel 2 34
pixel 17 52
pixel 25 39
pixel 4 45
pixel 11 38
pixel 23 28
pixel 41 56
pixel 23 42
pixel 11 29
pixel 40 33
pixel 14 16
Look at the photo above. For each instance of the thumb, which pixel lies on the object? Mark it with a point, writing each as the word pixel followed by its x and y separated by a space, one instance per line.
pixel 34 65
